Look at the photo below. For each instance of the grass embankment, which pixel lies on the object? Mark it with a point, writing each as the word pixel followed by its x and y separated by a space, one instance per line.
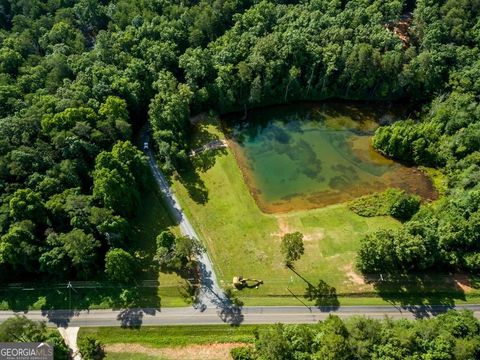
pixel 244 241
pixel 171 336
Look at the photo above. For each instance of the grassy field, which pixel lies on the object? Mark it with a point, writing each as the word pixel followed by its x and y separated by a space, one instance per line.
pixel 244 241
pixel 130 356
pixel 172 336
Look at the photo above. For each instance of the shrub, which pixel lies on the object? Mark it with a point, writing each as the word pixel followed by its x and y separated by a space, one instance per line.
pixel 472 262
pixel 405 207
pixel 242 353
pixel 394 202
pixel 91 349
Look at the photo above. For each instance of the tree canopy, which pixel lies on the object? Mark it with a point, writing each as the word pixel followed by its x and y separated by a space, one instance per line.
pixel 292 247
pixel 78 79
pixel 453 335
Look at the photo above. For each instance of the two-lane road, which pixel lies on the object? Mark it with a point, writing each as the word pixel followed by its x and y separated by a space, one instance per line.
pixel 210 316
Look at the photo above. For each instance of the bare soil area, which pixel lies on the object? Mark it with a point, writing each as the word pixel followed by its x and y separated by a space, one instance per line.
pixel 190 352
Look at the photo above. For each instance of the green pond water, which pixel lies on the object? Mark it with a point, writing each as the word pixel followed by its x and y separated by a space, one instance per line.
pixel 311 155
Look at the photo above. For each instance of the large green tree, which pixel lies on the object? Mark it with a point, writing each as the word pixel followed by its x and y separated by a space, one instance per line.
pixel 82 249
pixel 454 335
pixel 292 247
pixel 119 177
pixel 119 265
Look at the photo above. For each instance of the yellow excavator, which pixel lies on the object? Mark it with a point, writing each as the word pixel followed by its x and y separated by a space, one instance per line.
pixel 239 282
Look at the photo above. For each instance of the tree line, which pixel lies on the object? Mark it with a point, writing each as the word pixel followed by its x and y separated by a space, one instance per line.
pixel 77 82
pixel 445 235
pixel 453 335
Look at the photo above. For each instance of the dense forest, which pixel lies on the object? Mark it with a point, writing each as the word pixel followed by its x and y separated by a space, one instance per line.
pixel 78 80
pixel 444 235
pixel 453 335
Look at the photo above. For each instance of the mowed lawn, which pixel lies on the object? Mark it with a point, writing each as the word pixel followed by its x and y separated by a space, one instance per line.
pixel 172 336
pixel 244 241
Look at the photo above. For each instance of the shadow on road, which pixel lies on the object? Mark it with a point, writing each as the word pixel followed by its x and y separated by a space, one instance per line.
pixel 130 318
pixel 60 318
pixel 231 314
pixel 323 295
pixel 229 308
pixel 61 304
pixel 432 294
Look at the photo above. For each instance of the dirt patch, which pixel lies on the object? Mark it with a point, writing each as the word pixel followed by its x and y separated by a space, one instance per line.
pixel 190 352
pixel 401 28
pixel 353 276
pixel 463 282
pixel 314 235
pixel 285 228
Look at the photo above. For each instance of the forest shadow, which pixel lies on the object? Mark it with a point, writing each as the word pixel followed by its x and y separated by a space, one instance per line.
pixel 229 308
pixel 382 113
pixel 322 294
pixel 59 303
pixel 190 178
pixel 189 281
pixel 188 291
pixel 422 295
pixel 199 161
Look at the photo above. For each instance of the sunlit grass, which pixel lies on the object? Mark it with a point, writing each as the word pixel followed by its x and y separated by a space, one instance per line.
pixel 244 241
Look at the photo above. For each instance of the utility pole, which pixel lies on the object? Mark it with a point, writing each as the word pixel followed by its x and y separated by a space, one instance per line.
pixel 70 287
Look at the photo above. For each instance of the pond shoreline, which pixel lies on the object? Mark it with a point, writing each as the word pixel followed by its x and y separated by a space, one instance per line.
pixel 350 183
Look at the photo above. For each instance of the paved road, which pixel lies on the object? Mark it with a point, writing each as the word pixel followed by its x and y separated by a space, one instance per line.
pixel 232 315
pixel 211 294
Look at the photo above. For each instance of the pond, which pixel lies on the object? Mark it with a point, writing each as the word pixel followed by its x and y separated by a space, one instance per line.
pixel 307 156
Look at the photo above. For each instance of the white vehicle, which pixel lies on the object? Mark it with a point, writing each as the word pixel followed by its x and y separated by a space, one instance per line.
pixel 145 146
